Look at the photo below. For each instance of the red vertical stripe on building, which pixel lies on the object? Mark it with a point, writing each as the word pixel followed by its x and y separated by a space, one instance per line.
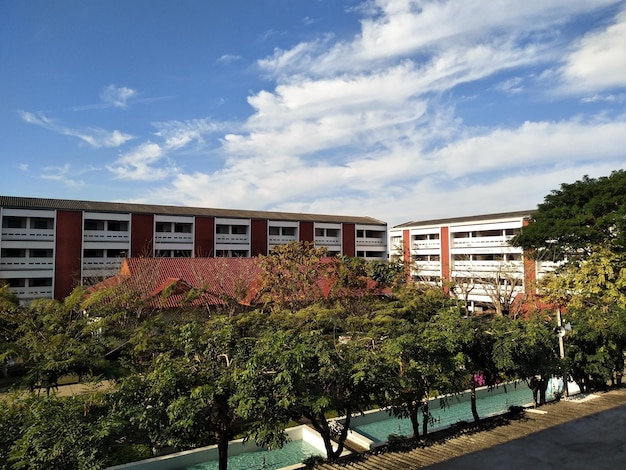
pixel 444 237
pixel 306 232
pixel 258 237
pixel 530 271
pixel 348 239
pixel 141 235
pixel 67 252
pixel 204 237
pixel 406 253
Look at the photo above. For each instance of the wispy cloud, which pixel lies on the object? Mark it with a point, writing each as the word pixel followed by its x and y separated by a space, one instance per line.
pixel 143 163
pixel 228 59
pixel 598 61
pixel 117 97
pixel 64 174
pixel 93 136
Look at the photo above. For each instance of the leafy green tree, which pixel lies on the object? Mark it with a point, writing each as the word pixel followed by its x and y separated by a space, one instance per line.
pixel 527 349
pixel 185 397
pixel 575 219
pixel 9 308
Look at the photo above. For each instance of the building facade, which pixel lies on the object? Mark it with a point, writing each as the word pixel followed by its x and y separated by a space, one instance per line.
pixel 470 255
pixel 48 246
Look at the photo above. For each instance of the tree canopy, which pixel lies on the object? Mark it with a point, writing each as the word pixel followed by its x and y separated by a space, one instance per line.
pixel 577 217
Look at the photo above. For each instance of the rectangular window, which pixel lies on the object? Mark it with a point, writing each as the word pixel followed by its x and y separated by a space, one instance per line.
pixel 14 222
pixel 274 230
pixel 320 232
pixel 112 253
pixel 332 232
pixel 13 253
pixel 41 282
pixel 222 229
pixel 41 223
pixel 41 253
pixel 163 254
pixel 163 227
pixel 117 226
pixel 16 282
pixel 360 233
pixel 182 253
pixel 289 231
pixel 182 228
pixel 94 224
pixel 240 229
pixel 93 253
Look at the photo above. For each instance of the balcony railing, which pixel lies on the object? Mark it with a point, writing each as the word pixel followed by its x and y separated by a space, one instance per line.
pixel 426 244
pixel 16 264
pixel 105 236
pixel 371 241
pixel 33 292
pixel 481 241
pixel 173 237
pixel 281 239
pixel 27 234
pixel 489 266
pixel 327 241
pixel 228 239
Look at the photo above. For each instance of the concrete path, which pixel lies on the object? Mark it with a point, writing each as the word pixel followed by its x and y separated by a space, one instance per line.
pixel 580 433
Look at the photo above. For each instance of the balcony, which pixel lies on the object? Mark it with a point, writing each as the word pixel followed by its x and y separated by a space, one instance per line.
pixel 43 292
pixel 505 267
pixel 93 267
pixel 25 263
pixel 232 239
pixel 106 236
pixel 474 242
pixel 327 241
pixel 426 244
pixel 23 234
pixel 173 237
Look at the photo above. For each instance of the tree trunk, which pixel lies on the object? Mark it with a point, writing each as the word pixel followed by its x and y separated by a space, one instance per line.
pixel 413 409
pixel 473 402
pixel 222 450
pixel 425 418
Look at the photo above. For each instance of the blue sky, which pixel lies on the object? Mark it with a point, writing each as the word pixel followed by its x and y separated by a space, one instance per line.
pixel 397 109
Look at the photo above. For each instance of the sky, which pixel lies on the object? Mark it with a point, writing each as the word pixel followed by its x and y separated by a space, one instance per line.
pixel 401 110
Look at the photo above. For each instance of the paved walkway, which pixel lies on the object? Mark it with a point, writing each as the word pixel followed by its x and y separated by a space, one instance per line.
pixel 584 432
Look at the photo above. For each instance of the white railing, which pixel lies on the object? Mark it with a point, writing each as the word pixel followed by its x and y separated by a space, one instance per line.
pixel 105 235
pixel 281 239
pixel 481 241
pixel 32 292
pixel 327 241
pixel 426 244
pixel 27 234
pixel 371 241
pixel 489 266
pixel 26 263
pixel 173 237
pixel 232 239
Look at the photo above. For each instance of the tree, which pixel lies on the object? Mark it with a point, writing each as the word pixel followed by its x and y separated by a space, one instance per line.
pixel 576 218
pixel 185 396
pixel 527 349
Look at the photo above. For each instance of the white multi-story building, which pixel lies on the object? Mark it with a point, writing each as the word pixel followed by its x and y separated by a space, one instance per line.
pixel 48 246
pixel 471 256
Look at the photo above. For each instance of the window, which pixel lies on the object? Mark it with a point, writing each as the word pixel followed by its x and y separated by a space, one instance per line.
pixel 320 232
pixel 13 253
pixel 289 231
pixel 274 231
pixel 222 229
pixel 94 224
pixel 332 232
pixel 41 224
pixel 41 253
pixel 360 233
pixel 239 253
pixel 117 226
pixel 162 227
pixel 182 253
pixel 163 254
pixel 182 228
pixel 93 254
pixel 16 282
pixel 112 253
pixel 41 282
pixel 239 229
pixel 14 222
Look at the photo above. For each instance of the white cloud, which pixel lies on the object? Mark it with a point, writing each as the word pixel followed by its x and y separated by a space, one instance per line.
pixel 599 61
pixel 116 96
pixel 228 58
pixel 63 174
pixel 141 164
pixel 95 137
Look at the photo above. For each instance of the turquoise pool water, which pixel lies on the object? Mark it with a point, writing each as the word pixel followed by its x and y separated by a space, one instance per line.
pixel 291 453
pixel 454 411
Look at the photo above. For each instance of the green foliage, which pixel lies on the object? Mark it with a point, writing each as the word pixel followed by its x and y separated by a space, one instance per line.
pixel 576 218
